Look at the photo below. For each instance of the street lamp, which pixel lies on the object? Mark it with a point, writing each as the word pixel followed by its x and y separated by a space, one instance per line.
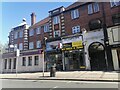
pixel 17 55
pixel 45 38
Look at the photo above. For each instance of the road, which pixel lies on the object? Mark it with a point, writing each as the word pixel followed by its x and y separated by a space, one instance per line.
pixel 54 84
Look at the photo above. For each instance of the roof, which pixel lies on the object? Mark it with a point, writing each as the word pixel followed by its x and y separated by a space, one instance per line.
pixel 76 4
pixel 40 23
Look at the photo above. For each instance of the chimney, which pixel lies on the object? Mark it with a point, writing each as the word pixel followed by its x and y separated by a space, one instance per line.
pixel 33 18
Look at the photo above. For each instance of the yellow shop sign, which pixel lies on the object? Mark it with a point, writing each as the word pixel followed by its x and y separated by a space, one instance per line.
pixel 77 44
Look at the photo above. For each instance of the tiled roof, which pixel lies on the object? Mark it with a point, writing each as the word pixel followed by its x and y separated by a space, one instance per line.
pixel 74 5
pixel 40 23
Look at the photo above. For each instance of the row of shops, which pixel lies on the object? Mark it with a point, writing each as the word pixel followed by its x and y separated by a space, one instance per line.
pixel 74 52
pixel 83 51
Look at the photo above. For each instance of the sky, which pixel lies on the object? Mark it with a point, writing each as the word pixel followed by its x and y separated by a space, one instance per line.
pixel 12 13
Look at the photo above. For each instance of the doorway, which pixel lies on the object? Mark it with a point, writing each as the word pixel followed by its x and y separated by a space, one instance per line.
pixel 97 57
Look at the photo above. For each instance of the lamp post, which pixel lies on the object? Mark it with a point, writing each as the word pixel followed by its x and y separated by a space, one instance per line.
pixel 17 56
pixel 44 55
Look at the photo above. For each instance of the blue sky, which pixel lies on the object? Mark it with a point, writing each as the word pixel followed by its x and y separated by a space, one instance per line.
pixel 13 12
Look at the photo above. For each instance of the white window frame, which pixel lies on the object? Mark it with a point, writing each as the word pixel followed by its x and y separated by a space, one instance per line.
pixel 20 46
pixel 31 45
pixel 57 31
pixel 90 9
pixel 31 32
pixel 56 20
pixel 96 7
pixel 46 27
pixel 38 30
pixel 38 44
pixel 76 29
pixel 74 13
pixel 114 3
pixel 21 34
pixel 15 35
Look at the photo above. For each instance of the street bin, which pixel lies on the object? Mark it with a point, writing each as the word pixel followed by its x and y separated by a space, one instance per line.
pixel 52 71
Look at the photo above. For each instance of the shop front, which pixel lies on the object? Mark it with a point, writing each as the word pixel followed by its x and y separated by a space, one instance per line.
pixel 114 41
pixel 73 53
pixel 54 54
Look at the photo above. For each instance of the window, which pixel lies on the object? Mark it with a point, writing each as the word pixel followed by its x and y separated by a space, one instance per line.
pixel 24 61
pixel 31 45
pixel 114 3
pixel 15 35
pixel 96 7
pixel 31 32
pixel 5 64
pixel 92 8
pixel 74 14
pixel 57 33
pixel 46 28
pixel 38 30
pixel 38 44
pixel 36 60
pixel 75 29
pixel 14 63
pixel 116 18
pixel 16 46
pixel 21 46
pixel 30 61
pixel 9 63
pixel 56 20
pixel 21 34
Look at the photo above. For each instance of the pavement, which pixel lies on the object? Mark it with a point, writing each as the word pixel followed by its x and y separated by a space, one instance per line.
pixel 69 75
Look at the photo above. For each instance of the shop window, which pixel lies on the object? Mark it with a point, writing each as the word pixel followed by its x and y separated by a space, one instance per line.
pixel 36 60
pixel 24 61
pixel 9 63
pixel 30 61
pixel 14 63
pixel 5 64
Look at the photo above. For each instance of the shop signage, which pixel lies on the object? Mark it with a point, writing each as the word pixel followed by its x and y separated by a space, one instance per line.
pixel 72 45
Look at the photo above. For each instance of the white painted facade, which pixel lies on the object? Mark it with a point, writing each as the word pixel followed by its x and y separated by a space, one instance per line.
pixel 114 41
pixel 88 39
pixel 20 67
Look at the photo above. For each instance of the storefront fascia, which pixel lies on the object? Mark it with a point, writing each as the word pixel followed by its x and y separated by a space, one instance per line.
pixel 54 54
pixel 73 53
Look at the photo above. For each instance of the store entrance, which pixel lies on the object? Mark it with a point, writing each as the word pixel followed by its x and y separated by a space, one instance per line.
pixel 74 59
pixel 97 56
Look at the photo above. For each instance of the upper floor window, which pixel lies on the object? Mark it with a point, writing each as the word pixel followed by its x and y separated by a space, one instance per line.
pixel 38 30
pixel 21 34
pixel 31 32
pixel 75 29
pixel 31 45
pixel 15 35
pixel 46 28
pixel 57 33
pixel 116 18
pixel 38 44
pixel 56 20
pixel 96 7
pixel 74 14
pixel 21 46
pixel 93 8
pixel 114 3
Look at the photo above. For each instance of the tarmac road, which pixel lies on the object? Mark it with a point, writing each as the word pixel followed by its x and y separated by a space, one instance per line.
pixel 54 84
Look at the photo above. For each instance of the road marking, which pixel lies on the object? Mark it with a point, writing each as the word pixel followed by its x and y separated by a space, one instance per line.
pixel 54 87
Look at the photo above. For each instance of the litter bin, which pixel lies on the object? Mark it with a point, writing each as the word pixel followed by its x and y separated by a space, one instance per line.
pixel 52 71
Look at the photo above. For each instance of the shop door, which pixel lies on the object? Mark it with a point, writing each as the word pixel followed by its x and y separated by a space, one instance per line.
pixel 97 56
